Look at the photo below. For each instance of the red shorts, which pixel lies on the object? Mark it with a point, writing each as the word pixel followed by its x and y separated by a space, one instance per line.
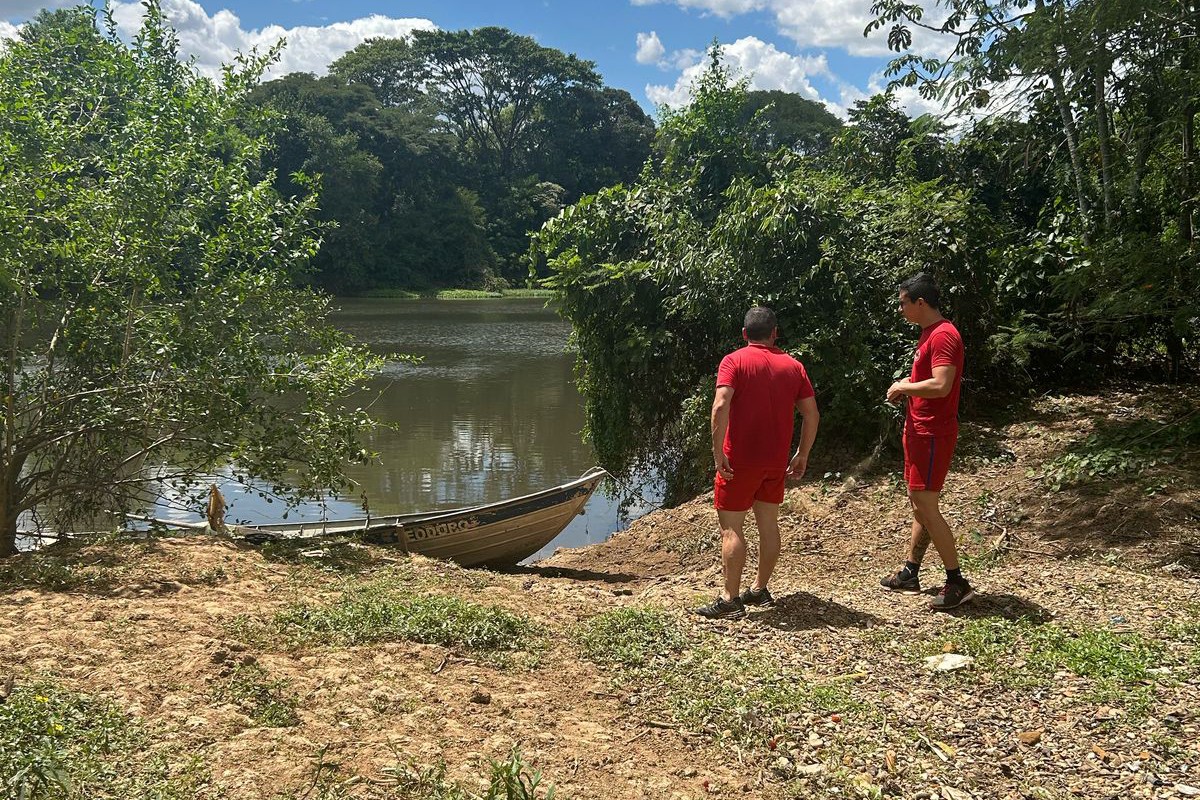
pixel 747 485
pixel 927 460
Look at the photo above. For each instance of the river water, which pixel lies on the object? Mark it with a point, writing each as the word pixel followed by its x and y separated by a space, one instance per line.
pixel 490 412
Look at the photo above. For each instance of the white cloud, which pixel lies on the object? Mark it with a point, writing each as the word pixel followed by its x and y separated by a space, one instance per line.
pixel 767 66
pixel 649 48
pixel 215 40
pixel 818 23
pixel 7 31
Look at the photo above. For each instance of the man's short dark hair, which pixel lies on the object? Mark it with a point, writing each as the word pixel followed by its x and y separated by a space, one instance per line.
pixel 759 323
pixel 922 286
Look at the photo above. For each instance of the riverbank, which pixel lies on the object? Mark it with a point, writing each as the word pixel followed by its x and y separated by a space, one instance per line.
pixel 458 294
pixel 356 672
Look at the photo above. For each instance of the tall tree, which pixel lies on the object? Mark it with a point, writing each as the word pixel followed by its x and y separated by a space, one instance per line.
pixel 151 332
pixel 790 121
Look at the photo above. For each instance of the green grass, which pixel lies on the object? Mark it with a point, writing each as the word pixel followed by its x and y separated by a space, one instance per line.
pixel 380 611
pixel 509 779
pixel 267 702
pixel 59 745
pixel 745 697
pixel 468 294
pixel 1022 654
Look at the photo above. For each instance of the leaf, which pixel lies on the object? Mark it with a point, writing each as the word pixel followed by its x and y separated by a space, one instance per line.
pixel 1030 737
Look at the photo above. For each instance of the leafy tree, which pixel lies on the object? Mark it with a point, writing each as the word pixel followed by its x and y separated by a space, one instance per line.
pixel 789 121
pixel 388 67
pixel 151 332
pixel 490 84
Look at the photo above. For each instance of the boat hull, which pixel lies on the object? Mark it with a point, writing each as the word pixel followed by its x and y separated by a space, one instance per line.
pixel 495 534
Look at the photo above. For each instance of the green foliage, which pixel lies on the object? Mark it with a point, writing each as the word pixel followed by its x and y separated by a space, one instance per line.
pixel 655 279
pixel 382 611
pixel 744 695
pixel 265 701
pixel 150 313
pixel 1123 449
pixel 59 745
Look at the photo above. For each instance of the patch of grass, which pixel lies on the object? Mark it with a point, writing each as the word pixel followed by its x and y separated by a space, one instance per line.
pixel 1022 653
pixel 629 637
pixel 377 611
pixel 509 779
pixel 468 294
pixel 542 293
pixel 59 745
pixel 267 702
pixel 44 571
pixel 746 697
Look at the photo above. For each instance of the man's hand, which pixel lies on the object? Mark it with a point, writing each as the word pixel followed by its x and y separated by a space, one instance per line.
pixel 896 391
pixel 722 462
pixel 796 467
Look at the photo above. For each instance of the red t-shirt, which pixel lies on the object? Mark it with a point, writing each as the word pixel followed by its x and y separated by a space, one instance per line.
pixel 940 345
pixel 767 383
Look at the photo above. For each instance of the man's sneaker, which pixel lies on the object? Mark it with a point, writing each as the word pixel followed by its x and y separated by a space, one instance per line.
pixel 757 597
pixel 952 595
pixel 897 582
pixel 723 609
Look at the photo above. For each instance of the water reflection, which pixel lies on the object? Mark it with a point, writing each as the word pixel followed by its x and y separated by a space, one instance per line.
pixel 490 412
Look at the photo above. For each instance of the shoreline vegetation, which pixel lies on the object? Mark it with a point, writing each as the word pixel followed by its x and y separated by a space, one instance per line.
pixel 454 294
pixel 337 671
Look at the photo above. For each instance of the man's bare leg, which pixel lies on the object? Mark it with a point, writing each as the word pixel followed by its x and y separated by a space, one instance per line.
pixel 929 517
pixel 766 517
pixel 733 550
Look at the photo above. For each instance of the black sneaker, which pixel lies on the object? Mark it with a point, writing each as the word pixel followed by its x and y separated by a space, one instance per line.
pixel 952 595
pixel 723 609
pixel 757 597
pixel 896 582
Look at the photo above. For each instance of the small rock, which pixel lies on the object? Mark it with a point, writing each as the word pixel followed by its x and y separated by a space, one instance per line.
pixel 810 769
pixel 948 662
pixel 482 698
pixel 1187 791
pixel 1030 737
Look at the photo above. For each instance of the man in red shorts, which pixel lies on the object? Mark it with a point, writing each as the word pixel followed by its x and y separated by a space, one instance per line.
pixel 930 433
pixel 758 389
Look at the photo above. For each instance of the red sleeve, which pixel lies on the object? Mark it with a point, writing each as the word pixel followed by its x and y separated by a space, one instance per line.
pixel 804 390
pixel 727 372
pixel 946 350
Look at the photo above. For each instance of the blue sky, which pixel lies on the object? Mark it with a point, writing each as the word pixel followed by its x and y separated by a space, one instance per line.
pixel 651 48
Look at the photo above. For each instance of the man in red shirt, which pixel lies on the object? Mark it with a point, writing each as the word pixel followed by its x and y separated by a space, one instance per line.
pixel 930 433
pixel 758 389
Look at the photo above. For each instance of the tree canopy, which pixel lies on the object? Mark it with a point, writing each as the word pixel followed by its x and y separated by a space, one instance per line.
pixel 152 332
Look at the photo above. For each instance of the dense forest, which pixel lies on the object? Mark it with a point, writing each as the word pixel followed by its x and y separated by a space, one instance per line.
pixel 436 157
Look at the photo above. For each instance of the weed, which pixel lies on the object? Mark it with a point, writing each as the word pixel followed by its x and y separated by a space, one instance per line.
pixel 746 697
pixel 376 611
pixel 1022 653
pixel 58 745
pixel 42 571
pixel 1129 449
pixel 265 701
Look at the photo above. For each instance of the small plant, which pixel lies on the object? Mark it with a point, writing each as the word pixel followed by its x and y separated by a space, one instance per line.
pixel 630 637
pixel 59 745
pixel 265 701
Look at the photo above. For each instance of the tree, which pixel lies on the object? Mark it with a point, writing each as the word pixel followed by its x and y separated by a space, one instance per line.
pixel 389 67
pixel 790 121
pixel 151 332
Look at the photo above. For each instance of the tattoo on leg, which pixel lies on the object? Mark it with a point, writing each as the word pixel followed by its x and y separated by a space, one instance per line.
pixel 920 546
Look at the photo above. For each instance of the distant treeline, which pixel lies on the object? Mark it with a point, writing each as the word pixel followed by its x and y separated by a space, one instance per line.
pixel 436 156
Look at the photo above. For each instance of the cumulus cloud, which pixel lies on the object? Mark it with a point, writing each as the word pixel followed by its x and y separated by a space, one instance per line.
pixel 767 66
pixel 650 49
pixel 216 39
pixel 817 23
pixel 7 31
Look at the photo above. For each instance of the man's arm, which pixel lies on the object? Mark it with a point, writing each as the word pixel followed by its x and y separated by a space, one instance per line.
pixel 720 424
pixel 938 386
pixel 810 419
